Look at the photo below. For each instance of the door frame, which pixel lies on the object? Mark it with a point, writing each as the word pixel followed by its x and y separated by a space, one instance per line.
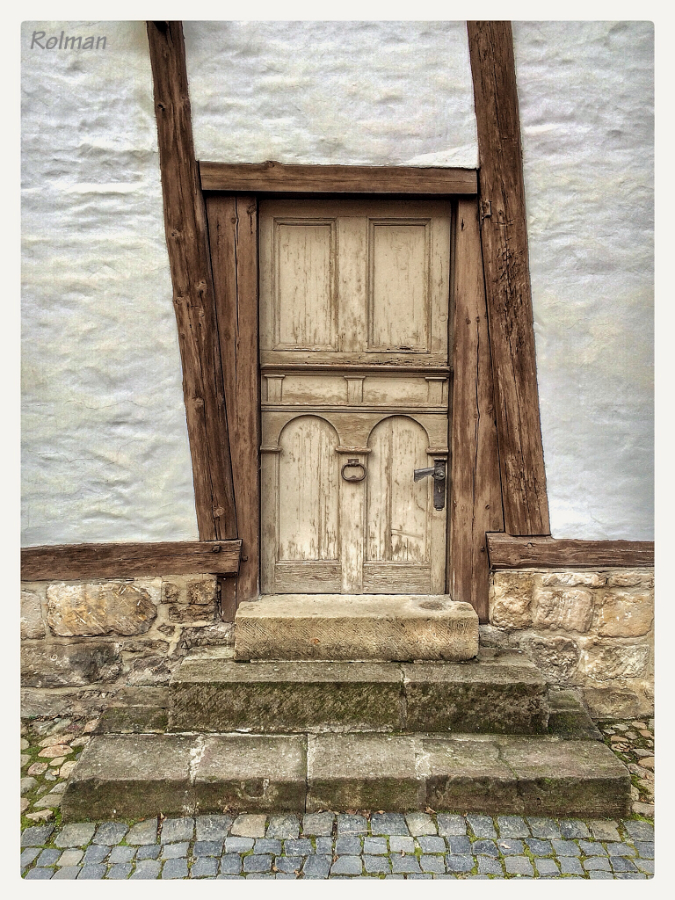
pixel 474 500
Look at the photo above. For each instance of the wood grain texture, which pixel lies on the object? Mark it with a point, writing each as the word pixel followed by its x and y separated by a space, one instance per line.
pixel 186 238
pixel 507 278
pixel 476 500
pixel 279 178
pixel 72 562
pixel 510 552
pixel 343 282
pixel 233 239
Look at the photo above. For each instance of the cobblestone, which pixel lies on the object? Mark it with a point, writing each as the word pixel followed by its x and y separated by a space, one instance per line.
pixel 450 825
pixel 110 833
pixel 318 824
pixel 545 866
pixel 348 844
pixel 399 843
pixel 213 828
pixel 520 865
pixel 431 844
pixel 512 827
pixel 482 826
pixel 420 845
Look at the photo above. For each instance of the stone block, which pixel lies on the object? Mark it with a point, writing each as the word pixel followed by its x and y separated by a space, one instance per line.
pixel 84 609
pixel 193 613
pixel 499 692
pixel 632 578
pixel 567 609
pixel 625 613
pixel 148 669
pixel 467 774
pixel 492 637
pixel 511 599
pixel 130 776
pixel 190 590
pixel 254 773
pixel 574 579
pixel 557 657
pixel 611 702
pixel 32 625
pixel 607 662
pixel 219 635
pixel 145 645
pixel 363 771
pixel 60 665
pixel 568 778
pixel 133 720
pixel 356 627
pixel 223 695
pixel 569 719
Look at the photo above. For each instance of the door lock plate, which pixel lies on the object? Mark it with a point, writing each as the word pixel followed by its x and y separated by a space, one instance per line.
pixel 437 472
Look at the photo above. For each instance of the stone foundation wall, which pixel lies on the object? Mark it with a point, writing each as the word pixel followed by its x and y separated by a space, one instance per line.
pixel 591 630
pixel 83 642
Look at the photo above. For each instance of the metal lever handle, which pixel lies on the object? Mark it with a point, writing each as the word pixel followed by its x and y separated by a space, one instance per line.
pixel 437 472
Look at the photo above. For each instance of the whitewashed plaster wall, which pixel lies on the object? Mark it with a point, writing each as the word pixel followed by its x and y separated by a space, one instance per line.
pixel 105 444
pixel 352 93
pixel 586 104
pixel 105 449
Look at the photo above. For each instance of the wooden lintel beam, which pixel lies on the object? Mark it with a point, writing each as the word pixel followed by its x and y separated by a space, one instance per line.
pixel 510 552
pixel 277 177
pixel 507 278
pixel 187 242
pixel 75 562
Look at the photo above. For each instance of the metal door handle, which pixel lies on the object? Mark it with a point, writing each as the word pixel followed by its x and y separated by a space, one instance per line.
pixel 437 472
pixel 353 464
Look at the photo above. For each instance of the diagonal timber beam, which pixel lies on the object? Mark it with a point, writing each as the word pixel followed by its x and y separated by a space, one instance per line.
pixel 193 296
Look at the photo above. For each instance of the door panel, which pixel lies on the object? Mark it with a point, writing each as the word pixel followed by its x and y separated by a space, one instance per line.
pixel 305 307
pixel 308 491
pixel 354 356
pixel 399 286
pixel 397 505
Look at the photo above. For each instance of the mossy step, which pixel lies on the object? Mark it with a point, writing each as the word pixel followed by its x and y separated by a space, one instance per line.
pixel 498 692
pixel 136 776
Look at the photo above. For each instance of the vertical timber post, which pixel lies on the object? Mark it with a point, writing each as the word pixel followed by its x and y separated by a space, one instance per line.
pixel 476 496
pixel 507 278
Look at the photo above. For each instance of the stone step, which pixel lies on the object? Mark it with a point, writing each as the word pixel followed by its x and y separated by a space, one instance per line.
pixel 356 627
pixel 499 692
pixel 122 776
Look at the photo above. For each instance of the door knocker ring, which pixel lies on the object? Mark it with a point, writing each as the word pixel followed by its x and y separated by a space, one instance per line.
pixel 354 464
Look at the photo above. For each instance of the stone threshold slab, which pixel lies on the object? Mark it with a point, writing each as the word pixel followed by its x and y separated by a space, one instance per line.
pixel 356 627
pixel 498 692
pixel 132 776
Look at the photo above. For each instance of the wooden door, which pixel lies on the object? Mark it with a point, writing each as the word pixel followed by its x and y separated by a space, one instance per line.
pixel 354 320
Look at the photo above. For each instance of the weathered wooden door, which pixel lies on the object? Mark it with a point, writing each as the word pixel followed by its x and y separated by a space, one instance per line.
pixel 354 340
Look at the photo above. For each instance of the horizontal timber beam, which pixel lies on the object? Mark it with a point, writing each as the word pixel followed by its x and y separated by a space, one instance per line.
pixel 279 178
pixel 509 552
pixel 74 562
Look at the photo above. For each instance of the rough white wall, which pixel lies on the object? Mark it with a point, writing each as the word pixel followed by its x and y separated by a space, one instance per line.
pixel 369 93
pixel 105 450
pixel 105 444
pixel 586 105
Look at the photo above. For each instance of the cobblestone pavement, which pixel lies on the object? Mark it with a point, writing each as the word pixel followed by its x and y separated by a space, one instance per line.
pixel 418 845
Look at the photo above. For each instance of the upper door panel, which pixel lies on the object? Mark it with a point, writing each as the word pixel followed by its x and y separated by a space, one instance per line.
pixel 354 282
